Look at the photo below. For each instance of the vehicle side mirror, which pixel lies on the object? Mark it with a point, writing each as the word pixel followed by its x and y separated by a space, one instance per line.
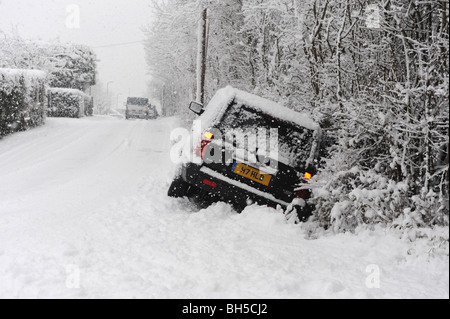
pixel 197 108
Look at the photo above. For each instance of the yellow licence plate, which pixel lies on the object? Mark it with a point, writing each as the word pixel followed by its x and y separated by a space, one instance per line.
pixel 251 173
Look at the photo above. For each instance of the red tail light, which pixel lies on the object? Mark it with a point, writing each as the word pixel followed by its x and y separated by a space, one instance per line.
pixel 304 193
pixel 201 149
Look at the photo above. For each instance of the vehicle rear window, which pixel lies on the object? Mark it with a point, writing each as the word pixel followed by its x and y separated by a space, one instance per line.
pixel 137 101
pixel 294 142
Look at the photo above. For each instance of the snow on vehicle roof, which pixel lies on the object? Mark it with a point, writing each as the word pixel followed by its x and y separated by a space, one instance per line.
pixel 67 91
pixel 221 100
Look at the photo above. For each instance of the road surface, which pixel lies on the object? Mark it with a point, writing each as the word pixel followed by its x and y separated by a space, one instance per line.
pixel 84 214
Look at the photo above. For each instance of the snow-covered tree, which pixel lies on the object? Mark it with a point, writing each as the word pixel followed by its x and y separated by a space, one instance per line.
pixel 389 89
pixel 171 52
pixel 68 65
pixel 72 66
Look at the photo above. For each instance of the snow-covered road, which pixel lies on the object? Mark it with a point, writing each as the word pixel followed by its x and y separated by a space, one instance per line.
pixel 84 214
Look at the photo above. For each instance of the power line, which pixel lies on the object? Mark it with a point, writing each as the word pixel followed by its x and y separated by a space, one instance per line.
pixel 118 44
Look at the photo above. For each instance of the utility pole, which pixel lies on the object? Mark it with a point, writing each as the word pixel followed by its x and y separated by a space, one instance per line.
pixel 202 55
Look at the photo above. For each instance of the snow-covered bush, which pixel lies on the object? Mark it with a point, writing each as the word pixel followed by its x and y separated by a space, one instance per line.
pixel 352 198
pixel 68 103
pixel 22 99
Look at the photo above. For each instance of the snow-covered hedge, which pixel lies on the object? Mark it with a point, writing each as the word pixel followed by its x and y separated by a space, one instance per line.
pixel 22 99
pixel 347 199
pixel 69 103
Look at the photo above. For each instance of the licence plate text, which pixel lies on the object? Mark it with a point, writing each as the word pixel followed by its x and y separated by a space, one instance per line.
pixel 251 173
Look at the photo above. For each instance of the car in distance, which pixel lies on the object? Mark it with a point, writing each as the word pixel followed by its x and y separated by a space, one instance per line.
pixel 140 108
pixel 249 150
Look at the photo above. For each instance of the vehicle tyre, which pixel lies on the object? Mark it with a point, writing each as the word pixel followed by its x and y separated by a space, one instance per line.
pixel 179 188
pixel 200 198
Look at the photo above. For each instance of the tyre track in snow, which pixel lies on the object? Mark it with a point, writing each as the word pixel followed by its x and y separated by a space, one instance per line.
pixel 54 178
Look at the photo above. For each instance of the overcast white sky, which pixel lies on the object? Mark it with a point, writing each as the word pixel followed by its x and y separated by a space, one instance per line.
pixel 103 23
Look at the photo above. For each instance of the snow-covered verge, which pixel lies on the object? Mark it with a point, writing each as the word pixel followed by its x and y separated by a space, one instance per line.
pixel 98 223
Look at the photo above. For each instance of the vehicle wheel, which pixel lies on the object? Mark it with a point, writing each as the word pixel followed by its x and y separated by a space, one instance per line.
pixel 179 188
pixel 200 198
